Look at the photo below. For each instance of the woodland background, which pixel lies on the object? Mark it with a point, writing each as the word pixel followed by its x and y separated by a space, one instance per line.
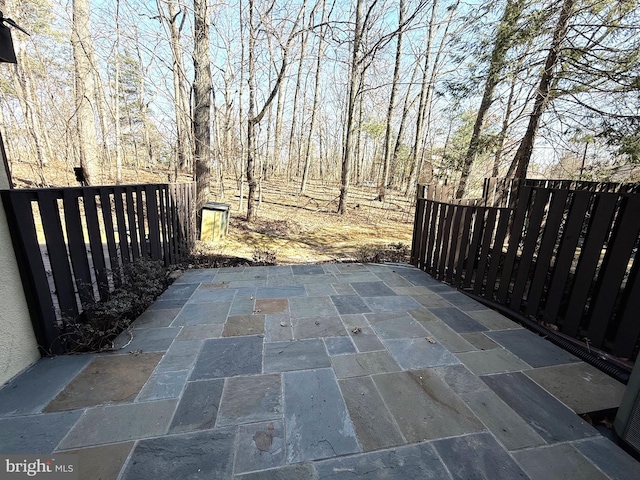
pixel 355 96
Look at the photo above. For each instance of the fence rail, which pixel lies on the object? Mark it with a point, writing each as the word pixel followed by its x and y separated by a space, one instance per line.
pixel 563 257
pixel 72 243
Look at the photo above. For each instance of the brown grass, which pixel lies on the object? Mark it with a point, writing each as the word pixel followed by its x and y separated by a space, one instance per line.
pixel 297 228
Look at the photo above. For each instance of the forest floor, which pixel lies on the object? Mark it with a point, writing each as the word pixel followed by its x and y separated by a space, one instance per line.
pixel 290 227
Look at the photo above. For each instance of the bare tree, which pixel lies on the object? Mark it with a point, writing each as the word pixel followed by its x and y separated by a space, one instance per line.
pixel 394 89
pixel 255 118
pixel 82 44
pixel 314 108
pixel 202 91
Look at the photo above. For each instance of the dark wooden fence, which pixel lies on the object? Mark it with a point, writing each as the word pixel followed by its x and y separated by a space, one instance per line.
pixel 566 257
pixel 71 243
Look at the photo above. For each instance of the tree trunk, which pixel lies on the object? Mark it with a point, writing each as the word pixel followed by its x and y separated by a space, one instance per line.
pixel 307 160
pixel 82 44
pixel 202 103
pixel 394 89
pixel 520 163
pixel 506 29
pixel 416 152
pixel 296 95
pixel 184 149
pixel 351 105
pixel 403 121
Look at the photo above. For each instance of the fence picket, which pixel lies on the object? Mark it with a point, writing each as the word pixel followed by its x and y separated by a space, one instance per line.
pixel 588 261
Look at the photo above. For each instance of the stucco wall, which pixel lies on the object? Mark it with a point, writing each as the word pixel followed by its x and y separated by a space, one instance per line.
pixel 18 347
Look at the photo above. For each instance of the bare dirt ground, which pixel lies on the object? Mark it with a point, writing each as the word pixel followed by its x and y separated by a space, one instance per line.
pixel 291 227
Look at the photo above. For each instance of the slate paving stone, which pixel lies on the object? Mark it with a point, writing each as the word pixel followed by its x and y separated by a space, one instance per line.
pixel 164 385
pixel 330 268
pixel 461 301
pixel 260 446
pixel 493 320
pixel 197 276
pixel 410 462
pixel 363 276
pixel 202 314
pixel 242 305
pixel 281 292
pixel 120 423
pixel 511 430
pixel 199 332
pixel 532 348
pixel 214 295
pixel 170 304
pixel 368 363
pixel 417 291
pixel 278 327
pixel 104 462
pixel 392 279
pixel 477 457
pixel 343 289
pixel 580 386
pixel 480 341
pixel 552 420
pixel 402 327
pixel 417 277
pixel 35 434
pixel 318 327
pixel 250 399
pixel 228 357
pixel 180 356
pixel 608 457
pixel 307 269
pixel 228 276
pixel 372 289
pixel 424 407
pixel 272 305
pixel 374 424
pixel 145 340
pixel 182 291
pixel 349 304
pixel 351 267
pixel 460 379
pixel 239 325
pixel 432 300
pixel 31 391
pixel 447 337
pixel 312 307
pixel 339 345
pixel 498 360
pixel 391 304
pixel 198 407
pixel 156 318
pixel 108 379
pixel 296 355
pixel 424 316
pixel 319 289
pixel 415 353
pixel 325 279
pixel 278 280
pixel 317 423
pixel 457 320
pixel 201 455
pixel 364 337
pixel 557 462
pixel 298 471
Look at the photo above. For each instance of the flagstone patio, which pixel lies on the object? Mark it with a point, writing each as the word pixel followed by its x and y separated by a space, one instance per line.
pixel 335 371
